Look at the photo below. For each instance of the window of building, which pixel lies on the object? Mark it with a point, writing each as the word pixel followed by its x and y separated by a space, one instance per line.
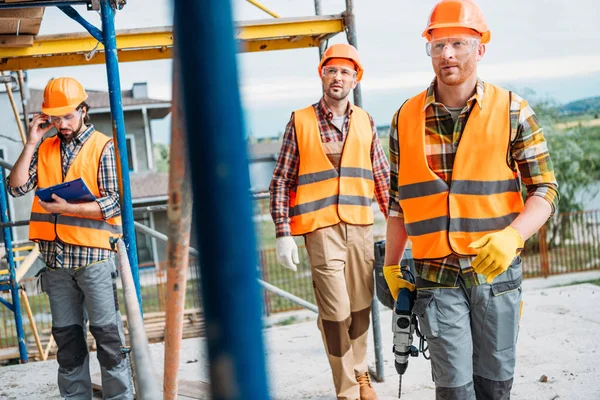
pixel 131 154
pixel 144 242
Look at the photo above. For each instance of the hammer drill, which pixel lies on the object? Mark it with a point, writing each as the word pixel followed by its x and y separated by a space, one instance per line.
pixel 403 327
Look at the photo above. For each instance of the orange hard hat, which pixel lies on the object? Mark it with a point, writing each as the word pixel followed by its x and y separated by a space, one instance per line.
pixel 62 95
pixel 346 51
pixel 457 14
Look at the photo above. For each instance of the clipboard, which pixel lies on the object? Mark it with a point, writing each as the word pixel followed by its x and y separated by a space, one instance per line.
pixel 73 191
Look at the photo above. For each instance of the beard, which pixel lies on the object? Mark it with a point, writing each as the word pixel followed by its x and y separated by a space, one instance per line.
pixel 460 72
pixel 337 93
pixel 69 134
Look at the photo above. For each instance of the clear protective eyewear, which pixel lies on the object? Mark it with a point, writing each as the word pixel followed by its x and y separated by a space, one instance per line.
pixel 332 71
pixel 67 118
pixel 459 46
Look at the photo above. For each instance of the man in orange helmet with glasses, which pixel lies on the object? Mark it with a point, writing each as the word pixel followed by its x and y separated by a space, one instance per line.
pixel 80 274
pixel 330 167
pixel 459 152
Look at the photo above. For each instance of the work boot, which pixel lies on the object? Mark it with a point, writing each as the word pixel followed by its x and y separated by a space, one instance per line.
pixel 366 390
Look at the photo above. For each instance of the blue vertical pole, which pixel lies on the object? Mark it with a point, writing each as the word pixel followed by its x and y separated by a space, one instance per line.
pixel 14 285
pixel 118 125
pixel 221 183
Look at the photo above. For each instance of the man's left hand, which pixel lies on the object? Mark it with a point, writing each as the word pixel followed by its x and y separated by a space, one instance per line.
pixel 496 251
pixel 58 206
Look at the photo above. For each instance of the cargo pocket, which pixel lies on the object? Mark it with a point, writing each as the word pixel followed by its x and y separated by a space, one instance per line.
pixel 42 280
pixel 502 317
pixel 426 312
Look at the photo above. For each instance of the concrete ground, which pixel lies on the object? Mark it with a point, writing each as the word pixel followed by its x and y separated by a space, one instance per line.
pixel 558 339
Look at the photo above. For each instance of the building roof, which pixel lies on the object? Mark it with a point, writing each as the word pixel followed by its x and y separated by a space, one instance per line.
pixel 97 99
pixel 264 150
pixel 149 185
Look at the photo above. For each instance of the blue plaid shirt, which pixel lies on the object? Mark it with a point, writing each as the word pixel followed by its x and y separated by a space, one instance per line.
pixel 57 254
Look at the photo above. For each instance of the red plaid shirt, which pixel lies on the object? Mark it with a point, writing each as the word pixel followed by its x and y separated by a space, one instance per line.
pixel 285 175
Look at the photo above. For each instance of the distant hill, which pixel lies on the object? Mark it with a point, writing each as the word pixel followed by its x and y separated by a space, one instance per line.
pixel 589 105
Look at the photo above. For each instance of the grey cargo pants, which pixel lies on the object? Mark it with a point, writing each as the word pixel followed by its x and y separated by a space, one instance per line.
pixel 75 295
pixel 472 335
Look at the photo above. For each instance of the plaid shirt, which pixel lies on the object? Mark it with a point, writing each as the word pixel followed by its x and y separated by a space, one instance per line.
pixel 62 255
pixel 528 152
pixel 285 175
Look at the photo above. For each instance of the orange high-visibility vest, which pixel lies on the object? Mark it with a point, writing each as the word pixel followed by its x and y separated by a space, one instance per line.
pixel 484 195
pixel 69 228
pixel 323 196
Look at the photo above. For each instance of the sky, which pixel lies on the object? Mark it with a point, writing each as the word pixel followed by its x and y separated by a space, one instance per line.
pixel 549 47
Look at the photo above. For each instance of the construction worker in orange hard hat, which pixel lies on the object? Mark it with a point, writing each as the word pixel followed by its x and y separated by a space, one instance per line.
pixel 459 153
pixel 330 167
pixel 74 238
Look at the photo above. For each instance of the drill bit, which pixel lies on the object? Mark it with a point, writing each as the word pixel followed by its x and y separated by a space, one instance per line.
pixel 399 386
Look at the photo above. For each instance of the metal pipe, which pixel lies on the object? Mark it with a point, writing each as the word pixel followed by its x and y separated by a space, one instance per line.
pixel 34 330
pixel 118 125
pixel 318 11
pixel 150 209
pixel 352 39
pixel 14 288
pixel 223 212
pixel 74 15
pixel 289 296
pixel 13 223
pixel 5 164
pixel 24 97
pixel 7 303
pixel 145 377
pixel 13 105
pixel 379 375
pixel 179 223
pixel 265 9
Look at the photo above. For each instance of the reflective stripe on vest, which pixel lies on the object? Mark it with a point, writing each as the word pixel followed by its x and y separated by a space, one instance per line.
pixel 485 193
pixel 323 196
pixel 72 229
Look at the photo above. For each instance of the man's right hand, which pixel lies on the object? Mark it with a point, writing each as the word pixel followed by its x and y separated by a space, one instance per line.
pixel 287 252
pixel 36 132
pixel 395 281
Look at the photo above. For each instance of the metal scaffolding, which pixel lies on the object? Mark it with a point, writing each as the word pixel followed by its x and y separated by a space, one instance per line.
pixel 230 294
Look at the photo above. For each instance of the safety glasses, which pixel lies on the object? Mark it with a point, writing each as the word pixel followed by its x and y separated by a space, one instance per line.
pixel 66 118
pixel 458 46
pixel 332 72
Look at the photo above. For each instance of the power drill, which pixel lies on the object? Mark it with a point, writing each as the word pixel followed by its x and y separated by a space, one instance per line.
pixel 403 327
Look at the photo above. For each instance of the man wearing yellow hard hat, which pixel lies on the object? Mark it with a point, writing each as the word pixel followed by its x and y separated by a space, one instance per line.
pixel 460 151
pixel 80 274
pixel 330 167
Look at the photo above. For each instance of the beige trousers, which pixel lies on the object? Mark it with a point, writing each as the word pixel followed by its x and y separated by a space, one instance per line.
pixel 342 261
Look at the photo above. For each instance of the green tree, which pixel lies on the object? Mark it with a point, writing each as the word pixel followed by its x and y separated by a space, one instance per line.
pixel 161 157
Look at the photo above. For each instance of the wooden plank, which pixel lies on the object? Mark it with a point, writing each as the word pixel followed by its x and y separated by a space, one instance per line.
pixel 16 41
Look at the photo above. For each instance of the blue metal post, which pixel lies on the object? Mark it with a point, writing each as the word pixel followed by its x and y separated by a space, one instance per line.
pixel 118 125
pixel 14 286
pixel 221 187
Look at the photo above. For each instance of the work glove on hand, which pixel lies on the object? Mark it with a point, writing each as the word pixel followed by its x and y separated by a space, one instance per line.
pixel 287 252
pixel 395 281
pixel 496 251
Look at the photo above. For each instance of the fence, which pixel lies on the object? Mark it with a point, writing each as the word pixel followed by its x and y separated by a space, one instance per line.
pixel 153 287
pixel 569 242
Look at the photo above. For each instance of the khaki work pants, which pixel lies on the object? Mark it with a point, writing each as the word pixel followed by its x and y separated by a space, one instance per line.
pixel 342 261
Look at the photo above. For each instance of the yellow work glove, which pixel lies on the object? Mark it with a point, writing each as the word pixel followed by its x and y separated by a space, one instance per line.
pixel 395 281
pixel 496 251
